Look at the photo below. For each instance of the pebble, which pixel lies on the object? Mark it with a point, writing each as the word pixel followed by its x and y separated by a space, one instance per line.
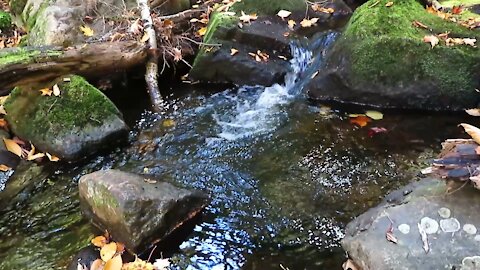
pixel 470 228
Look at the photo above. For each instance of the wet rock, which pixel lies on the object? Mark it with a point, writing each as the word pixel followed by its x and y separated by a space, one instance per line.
pixel 267 34
pixel 84 258
pixel 77 123
pixel 135 210
pixel 450 247
pixel 381 60
pixel 16 185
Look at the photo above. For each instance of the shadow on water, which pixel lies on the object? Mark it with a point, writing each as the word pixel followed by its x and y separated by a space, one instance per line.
pixel 284 177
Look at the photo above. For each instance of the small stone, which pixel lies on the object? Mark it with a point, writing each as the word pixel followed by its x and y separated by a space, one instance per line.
pixel 477 237
pixel 450 225
pixel 444 212
pixel 404 228
pixel 429 225
pixel 470 228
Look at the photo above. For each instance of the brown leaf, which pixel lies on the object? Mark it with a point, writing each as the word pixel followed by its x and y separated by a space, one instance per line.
pixel 360 120
pixel 433 40
pixel 391 237
pixel 13 147
pixel 419 24
pixel 52 157
pixel 4 168
pixel 107 251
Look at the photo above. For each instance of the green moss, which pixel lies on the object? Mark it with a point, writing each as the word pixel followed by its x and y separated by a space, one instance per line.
pixel 385 47
pixel 20 55
pixel 466 3
pixel 268 7
pixel 80 104
pixel 5 20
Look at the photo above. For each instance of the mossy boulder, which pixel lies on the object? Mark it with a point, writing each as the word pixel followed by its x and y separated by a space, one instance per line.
pixel 80 121
pixel 214 62
pixel 5 20
pixel 382 60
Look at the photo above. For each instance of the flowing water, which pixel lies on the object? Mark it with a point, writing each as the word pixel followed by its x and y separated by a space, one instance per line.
pixel 284 175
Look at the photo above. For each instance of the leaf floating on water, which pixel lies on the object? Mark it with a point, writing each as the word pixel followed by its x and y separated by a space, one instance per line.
pixel 99 241
pixel 52 157
pixel 233 51
pixel 107 251
pixel 115 263
pixel 162 264
pixel 13 147
pixel 291 24
pixel 374 115
pixel 305 23
pixel 473 131
pixel 247 18
pixel 473 112
pixel 360 120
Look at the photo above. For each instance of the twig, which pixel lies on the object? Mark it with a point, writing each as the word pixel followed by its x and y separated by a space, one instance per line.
pixel 151 75
pixel 182 14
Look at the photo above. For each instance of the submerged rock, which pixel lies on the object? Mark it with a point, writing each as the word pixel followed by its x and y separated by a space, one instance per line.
pixel 79 122
pixel 135 210
pixel 382 60
pixel 269 35
pixel 448 247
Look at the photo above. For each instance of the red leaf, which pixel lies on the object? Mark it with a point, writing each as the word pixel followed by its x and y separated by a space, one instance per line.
pixel 376 130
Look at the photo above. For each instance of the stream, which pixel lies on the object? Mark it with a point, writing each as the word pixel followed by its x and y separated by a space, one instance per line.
pixel 285 176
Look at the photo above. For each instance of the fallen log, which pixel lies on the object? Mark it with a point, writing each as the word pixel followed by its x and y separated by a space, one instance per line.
pixel 31 65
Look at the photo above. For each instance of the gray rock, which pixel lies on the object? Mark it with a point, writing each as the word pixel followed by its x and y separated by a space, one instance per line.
pixel 77 123
pixel 135 210
pixel 366 243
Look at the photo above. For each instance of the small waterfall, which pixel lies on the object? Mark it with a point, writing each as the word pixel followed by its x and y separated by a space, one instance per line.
pixel 262 111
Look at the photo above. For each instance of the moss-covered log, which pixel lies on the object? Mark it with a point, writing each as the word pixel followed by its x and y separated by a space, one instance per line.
pixel 31 65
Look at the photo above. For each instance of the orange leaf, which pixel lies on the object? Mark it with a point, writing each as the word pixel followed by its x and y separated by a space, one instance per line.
pixel 114 264
pixel 97 265
pixel 120 247
pixel 107 251
pixel 99 241
pixel 457 9
pixel 13 147
pixel 360 120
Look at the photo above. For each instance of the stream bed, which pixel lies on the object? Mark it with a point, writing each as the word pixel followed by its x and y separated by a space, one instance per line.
pixel 285 176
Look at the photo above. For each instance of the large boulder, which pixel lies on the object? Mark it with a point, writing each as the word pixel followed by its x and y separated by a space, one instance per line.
pixel 268 34
pixel 450 221
pixel 79 122
pixel 134 209
pixel 382 60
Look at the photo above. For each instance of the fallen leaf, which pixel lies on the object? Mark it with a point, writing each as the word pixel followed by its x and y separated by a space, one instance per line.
pixel 318 8
pixel 177 54
pixel 433 40
pixel 470 41
pixel 473 131
pixel 136 28
pixel 56 90
pixel 150 181
pixel 140 264
pixel 114 263
pixel 360 120
pixel 247 18
pixel 46 92
pixel 473 112
pixel 291 24
pixel 145 38
pixel 99 241
pixel 457 9
pixel 3 124
pixel 52 157
pixel 308 23
pixel 420 25
pixel 202 31
pixel 108 251
pixel 284 14
pixel 87 31
pixel 168 123
pixel 13 147
pixel 161 264
pixel 233 51
pixel 389 4
pixel 391 238
pixel 4 168
pixel 374 115
pixel 120 248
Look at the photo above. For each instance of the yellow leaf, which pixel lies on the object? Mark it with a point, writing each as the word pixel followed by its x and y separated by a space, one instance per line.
pixel 389 4
pixel 52 157
pixel 291 24
pixel 233 51
pixel 46 92
pixel 473 131
pixel 353 115
pixel 56 90
pixel 114 264
pixel 202 31
pixel 374 115
pixel 145 38
pixel 87 31
pixel 107 251
pixel 99 241
pixel 13 147
pixel 4 168
pixel 308 23
pixel 2 110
